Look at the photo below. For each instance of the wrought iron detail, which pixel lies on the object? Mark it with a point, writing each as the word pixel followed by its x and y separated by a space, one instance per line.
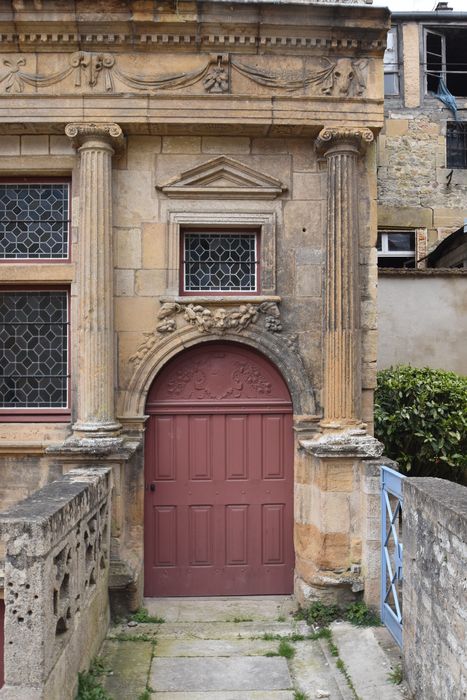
pixel 34 220
pixel 33 349
pixel 391 552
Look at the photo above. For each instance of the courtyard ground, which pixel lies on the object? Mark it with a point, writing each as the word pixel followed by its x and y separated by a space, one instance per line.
pixel 245 649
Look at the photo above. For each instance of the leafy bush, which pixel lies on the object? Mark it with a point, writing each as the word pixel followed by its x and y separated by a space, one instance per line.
pixel 421 418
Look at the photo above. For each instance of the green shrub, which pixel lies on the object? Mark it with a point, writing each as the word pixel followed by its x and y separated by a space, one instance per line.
pixel 421 418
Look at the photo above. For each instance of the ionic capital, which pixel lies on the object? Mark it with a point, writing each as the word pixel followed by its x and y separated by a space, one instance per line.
pixel 109 134
pixel 342 139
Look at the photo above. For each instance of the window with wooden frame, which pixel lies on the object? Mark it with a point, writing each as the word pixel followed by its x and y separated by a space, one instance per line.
pixel 219 261
pixel 446 59
pixel 34 219
pixel 34 351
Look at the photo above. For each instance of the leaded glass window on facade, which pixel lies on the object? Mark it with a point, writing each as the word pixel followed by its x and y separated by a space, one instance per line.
pixel 33 349
pixel 220 262
pixel 34 220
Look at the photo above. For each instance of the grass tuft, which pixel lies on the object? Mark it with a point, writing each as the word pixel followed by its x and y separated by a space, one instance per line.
pixel 144 617
pixel 286 649
pixel 396 675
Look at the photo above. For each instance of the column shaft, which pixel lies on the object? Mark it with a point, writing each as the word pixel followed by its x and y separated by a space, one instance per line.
pixel 342 339
pixel 95 334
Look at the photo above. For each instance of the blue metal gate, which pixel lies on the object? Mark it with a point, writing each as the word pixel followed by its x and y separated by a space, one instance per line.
pixel 391 551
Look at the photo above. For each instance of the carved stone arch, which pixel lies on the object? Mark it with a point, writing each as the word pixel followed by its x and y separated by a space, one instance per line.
pixel 270 345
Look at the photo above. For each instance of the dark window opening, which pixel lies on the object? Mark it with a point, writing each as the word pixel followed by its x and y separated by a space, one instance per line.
pixel 456 144
pixel 446 58
pixel 396 248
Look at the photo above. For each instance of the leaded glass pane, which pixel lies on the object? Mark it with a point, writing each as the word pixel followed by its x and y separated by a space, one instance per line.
pixel 220 262
pixel 33 349
pixel 34 220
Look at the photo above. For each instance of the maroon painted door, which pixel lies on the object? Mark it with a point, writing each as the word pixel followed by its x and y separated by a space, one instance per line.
pixel 219 476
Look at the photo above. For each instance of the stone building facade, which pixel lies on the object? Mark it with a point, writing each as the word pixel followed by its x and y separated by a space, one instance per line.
pixel 422 152
pixel 170 124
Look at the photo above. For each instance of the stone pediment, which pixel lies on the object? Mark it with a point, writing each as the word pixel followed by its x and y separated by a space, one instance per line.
pixel 223 178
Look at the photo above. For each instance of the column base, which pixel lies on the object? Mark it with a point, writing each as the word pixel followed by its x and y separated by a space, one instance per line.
pixel 328 588
pixel 96 430
pixel 351 442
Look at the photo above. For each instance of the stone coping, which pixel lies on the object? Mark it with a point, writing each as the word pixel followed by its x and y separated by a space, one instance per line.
pixel 422 272
pixel 442 495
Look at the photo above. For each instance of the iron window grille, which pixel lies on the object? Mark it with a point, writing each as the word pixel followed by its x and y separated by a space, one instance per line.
pixel 396 248
pixel 34 220
pixel 456 144
pixel 221 262
pixel 34 335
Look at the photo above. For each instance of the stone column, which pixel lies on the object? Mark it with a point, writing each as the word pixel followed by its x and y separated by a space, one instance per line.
pixel 341 148
pixel 96 144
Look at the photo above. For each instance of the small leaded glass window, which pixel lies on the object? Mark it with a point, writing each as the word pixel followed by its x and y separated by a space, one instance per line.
pixel 220 261
pixel 33 349
pixel 34 220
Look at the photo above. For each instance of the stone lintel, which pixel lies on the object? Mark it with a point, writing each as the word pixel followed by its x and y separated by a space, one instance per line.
pixel 108 132
pixel 339 139
pixel 351 443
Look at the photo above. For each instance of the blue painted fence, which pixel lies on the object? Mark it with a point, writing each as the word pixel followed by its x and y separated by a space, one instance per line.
pixel 391 551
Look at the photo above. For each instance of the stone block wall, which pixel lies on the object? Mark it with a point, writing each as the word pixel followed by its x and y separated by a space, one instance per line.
pixel 56 584
pixel 435 585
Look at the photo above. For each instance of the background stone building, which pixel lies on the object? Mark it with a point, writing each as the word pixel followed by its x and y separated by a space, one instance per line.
pixel 189 223
pixel 422 192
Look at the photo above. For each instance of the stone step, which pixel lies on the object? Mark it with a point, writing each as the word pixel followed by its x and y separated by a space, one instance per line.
pixel 226 695
pixel 204 674
pixel 214 647
pixel 210 630
pixel 221 609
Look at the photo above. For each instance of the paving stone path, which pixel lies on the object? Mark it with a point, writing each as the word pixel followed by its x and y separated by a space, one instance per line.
pixel 228 649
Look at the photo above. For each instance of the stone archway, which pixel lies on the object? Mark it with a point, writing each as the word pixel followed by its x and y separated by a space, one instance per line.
pixel 158 350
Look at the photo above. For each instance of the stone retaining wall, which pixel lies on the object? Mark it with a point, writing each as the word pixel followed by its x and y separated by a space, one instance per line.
pixel 435 585
pixel 56 584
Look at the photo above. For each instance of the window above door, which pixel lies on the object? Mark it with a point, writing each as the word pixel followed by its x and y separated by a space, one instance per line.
pixel 220 262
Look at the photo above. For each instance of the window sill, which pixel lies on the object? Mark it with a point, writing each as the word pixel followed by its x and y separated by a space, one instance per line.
pixel 216 300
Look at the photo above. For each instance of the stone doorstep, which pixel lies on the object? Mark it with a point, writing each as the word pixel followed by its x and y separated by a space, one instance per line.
pixel 224 695
pixel 222 608
pixel 212 630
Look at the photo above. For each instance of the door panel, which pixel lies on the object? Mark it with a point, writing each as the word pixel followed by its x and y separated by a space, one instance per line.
pixel 220 520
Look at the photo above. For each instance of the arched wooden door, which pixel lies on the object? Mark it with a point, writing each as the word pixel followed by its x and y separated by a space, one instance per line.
pixel 219 476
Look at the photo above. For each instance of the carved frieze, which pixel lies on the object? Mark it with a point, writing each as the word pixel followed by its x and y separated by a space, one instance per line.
pixel 342 77
pixel 102 71
pixel 173 315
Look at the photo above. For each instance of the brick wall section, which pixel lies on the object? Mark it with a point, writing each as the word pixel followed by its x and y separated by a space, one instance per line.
pixel 435 585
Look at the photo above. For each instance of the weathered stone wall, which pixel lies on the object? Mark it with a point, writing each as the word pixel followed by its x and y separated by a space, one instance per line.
pixel 408 302
pixel 435 566
pixel 56 584
pixel 416 189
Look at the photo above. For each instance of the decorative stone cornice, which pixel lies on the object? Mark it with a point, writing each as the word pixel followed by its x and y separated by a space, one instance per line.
pixel 111 133
pixel 343 139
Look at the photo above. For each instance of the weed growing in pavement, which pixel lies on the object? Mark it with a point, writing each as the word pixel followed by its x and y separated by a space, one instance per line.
pixel 396 675
pixel 144 617
pixel 319 614
pixel 298 695
pixel 89 685
pixel 145 695
pixel 243 619
pixel 286 649
pixel 127 637
pixel 361 615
